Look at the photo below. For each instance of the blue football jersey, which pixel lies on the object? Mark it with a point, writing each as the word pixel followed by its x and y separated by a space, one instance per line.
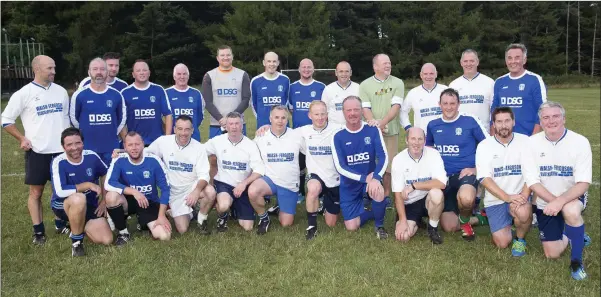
pixel 144 177
pixel 188 102
pixel 266 93
pixel 300 97
pixel 145 108
pixel 100 116
pixel 118 84
pixel 66 176
pixel 524 94
pixel 356 155
pixel 456 141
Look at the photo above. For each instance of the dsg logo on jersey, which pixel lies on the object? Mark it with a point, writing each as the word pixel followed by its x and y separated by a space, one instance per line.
pixel 100 118
pixel 357 158
pixel 227 92
pixel 184 111
pixel 511 100
pixel 448 149
pixel 302 105
pixel 142 189
pixel 272 100
pixel 144 112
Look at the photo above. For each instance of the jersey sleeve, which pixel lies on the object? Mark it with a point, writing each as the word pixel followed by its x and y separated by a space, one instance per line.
pixel 59 180
pixel 438 171
pixel 382 156
pixel 399 94
pixel 397 176
pixel 154 147
pixel 99 165
pixel 13 109
pixel 483 162
pixel 479 131
pixel 253 96
pixel 339 162
pixel 111 182
pixel 200 109
pixel 207 93
pixel 245 94
pixel 490 92
pixel 121 114
pixel 583 165
pixel 365 98
pixel 429 135
pixel 165 105
pixel 210 147
pixel 202 166
pixel 75 109
pixel 530 170
pixel 539 96
pixel 256 162
pixel 162 181
pixel 286 98
pixel 405 108
pixel 495 100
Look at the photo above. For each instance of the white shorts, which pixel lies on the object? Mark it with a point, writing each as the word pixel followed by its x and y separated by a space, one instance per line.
pixel 178 206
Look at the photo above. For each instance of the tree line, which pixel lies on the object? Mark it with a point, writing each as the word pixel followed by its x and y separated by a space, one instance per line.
pixel 560 36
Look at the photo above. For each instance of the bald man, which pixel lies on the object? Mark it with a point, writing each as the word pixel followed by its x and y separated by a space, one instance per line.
pixel 186 100
pixel 334 93
pixel 268 89
pixel 418 178
pixel 147 106
pixel 423 99
pixel 44 110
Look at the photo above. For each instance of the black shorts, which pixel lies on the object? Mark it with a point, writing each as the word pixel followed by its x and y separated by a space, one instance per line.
pixel 145 215
pixel 453 185
pixel 416 210
pixel 90 213
pixel 241 205
pixel 302 161
pixel 37 167
pixel 331 196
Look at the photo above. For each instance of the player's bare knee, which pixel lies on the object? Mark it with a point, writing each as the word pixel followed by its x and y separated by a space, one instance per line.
pixel 246 225
pixel 106 239
pixel 181 229
pixel 501 242
pixel 77 200
pixel 436 196
pixel 449 225
pixel 209 193
pixel 112 198
pixel 572 212
pixel 35 192
pixel 552 254
pixel 161 234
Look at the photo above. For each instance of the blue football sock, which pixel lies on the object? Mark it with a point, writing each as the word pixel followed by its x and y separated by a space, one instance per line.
pixel 60 224
pixel 379 209
pixel 576 236
pixel 76 237
pixel 366 216
pixel 39 228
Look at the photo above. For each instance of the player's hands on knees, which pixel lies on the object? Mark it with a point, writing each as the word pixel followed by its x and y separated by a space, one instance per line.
pixel 239 189
pixel 517 199
pixel 192 198
pixel 25 144
pixel 141 199
pixel 374 188
pixel 401 231
pixel 101 209
pixel 553 208
pixel 94 188
pixel 261 131
pixel 406 191
pixel 163 221
pixel 467 172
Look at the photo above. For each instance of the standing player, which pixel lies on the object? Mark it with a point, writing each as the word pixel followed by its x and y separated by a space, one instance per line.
pixel 564 159
pixel 112 62
pixel 239 163
pixel 188 173
pixel 361 160
pixel 423 100
pixel 268 89
pixel 132 182
pixel 520 89
pixel 225 89
pixel 100 112
pixel 335 92
pixel 418 178
pixel 505 167
pixel 75 192
pixel 186 100
pixel 44 110
pixel 456 137
pixel 382 96
pixel 147 105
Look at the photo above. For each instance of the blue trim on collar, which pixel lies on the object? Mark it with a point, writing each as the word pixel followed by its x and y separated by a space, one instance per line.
pixel 271 131
pixel 420 157
pixel 565 132
pixel 36 84
pixel 505 145
pixel 477 73
pixel 435 85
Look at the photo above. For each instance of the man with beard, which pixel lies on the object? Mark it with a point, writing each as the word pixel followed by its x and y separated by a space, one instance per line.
pixel 147 106
pixel 423 100
pixel 112 62
pixel 186 100
pixel 132 183
pixel 99 112
pixel 334 93
pixel 268 89
pixel 44 110
pixel 505 167
pixel 75 192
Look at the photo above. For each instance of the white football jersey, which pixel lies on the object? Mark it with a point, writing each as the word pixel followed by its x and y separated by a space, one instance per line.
pixel 280 157
pixel 318 148
pixel 563 163
pixel 44 112
pixel 405 170
pixel 475 96
pixel 333 95
pixel 508 165
pixel 424 104
pixel 235 161
pixel 186 164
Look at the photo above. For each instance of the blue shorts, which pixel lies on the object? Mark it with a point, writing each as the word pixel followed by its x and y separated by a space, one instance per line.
pixel 216 131
pixel 499 216
pixel 90 213
pixel 286 198
pixel 353 207
pixel 241 206
pixel 550 228
pixel 106 158
pixel 331 196
pixel 453 185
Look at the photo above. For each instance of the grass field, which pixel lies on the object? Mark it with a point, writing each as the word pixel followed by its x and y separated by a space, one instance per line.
pixel 283 263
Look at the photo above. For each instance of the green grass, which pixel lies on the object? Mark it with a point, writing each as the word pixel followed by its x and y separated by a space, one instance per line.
pixel 282 263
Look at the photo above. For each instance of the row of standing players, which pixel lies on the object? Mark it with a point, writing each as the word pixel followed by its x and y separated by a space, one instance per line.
pixel 382 97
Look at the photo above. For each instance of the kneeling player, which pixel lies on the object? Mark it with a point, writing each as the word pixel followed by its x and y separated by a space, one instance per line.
pixel 75 174
pixel 505 168
pixel 418 178
pixel 361 160
pixel 131 183
pixel 239 164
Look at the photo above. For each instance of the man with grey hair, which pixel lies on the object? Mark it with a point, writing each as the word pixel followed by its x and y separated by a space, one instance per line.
pixel 423 100
pixel 382 96
pixel 186 100
pixel 335 92
pixel 565 161
pixel 99 112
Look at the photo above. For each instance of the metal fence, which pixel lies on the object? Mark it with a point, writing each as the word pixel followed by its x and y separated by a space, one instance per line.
pixel 16 54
